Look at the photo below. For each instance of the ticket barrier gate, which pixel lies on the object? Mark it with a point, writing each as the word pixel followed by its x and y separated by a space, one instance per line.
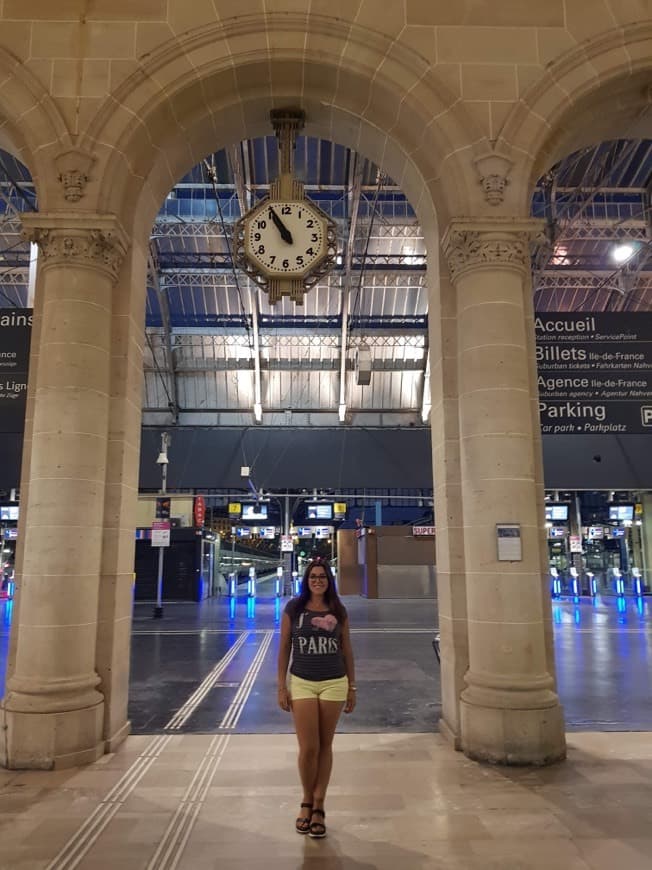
pixel 251 583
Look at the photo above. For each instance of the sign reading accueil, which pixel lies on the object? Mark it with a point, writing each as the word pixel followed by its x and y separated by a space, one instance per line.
pixel 594 372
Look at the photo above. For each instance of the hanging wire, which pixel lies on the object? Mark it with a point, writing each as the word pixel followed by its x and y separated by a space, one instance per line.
pixel 24 194
pixel 211 171
pixel 158 369
pixel 380 183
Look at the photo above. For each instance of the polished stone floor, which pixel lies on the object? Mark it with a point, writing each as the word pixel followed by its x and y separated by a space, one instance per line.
pixel 396 802
pixel 196 659
pixel 208 779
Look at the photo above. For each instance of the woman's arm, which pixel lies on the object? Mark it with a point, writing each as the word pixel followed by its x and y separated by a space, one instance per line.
pixel 284 649
pixel 347 652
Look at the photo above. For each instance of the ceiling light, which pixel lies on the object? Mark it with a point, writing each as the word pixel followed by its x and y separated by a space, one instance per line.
pixel 622 253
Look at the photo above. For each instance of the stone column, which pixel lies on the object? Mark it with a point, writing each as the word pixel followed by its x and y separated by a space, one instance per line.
pixel 121 497
pixel 451 580
pixel 509 711
pixel 53 712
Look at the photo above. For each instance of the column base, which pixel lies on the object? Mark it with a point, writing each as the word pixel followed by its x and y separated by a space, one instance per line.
pixel 47 741
pixel 449 735
pixel 112 743
pixel 513 736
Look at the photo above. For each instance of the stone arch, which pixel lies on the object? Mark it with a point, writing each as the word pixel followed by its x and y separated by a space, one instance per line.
pixel 30 122
pixel 605 81
pixel 213 87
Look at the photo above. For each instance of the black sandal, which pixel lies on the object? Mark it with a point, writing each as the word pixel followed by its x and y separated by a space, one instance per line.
pixel 302 824
pixel 317 829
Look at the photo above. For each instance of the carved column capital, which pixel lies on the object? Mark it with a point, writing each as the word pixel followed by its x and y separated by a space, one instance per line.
pixel 469 245
pixel 90 240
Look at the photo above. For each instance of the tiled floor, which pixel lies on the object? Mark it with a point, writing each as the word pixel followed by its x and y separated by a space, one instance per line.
pixel 396 801
pixel 209 781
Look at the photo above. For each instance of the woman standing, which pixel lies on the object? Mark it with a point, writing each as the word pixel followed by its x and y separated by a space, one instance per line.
pixel 315 629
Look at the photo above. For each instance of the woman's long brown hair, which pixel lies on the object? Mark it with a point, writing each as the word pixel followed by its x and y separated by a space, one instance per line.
pixel 331 598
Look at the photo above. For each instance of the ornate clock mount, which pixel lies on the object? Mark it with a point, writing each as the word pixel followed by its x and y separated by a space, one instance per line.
pixel 285 243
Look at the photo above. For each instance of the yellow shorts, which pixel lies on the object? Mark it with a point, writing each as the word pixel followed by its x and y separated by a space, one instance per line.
pixel 324 690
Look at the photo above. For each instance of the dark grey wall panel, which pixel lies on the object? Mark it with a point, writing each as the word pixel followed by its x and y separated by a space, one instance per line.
pixel 334 458
pixel 290 458
pixel 11 446
pixel 598 461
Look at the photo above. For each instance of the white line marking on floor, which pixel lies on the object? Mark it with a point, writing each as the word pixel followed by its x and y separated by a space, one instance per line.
pixel 185 712
pixel 88 833
pixel 236 707
pixel 77 847
pixel 181 824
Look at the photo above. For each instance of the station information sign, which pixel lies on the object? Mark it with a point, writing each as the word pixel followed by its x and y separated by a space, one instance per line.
pixel 15 334
pixel 161 533
pixel 594 373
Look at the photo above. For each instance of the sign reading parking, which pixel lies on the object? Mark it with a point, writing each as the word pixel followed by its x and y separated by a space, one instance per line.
pixel 594 372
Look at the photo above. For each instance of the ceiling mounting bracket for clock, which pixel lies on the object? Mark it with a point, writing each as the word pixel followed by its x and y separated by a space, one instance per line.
pixel 286 243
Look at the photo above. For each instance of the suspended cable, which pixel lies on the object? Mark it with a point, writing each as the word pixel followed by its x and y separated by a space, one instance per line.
pixel 22 192
pixel 211 172
pixel 158 370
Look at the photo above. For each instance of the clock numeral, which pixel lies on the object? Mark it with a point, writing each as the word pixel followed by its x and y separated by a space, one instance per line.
pixel 260 249
pixel 310 252
pixel 272 258
pixel 299 260
pixel 286 264
pixel 261 225
pixel 310 223
pixel 286 209
pixel 314 237
pixel 300 213
pixel 257 237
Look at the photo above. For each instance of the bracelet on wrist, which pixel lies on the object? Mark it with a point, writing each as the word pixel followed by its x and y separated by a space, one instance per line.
pixel 353 688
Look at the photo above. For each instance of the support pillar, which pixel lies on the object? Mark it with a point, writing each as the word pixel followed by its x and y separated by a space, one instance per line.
pixel 52 713
pixel 449 521
pixel 509 710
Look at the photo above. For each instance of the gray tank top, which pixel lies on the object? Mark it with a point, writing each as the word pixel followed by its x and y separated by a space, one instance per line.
pixel 316 646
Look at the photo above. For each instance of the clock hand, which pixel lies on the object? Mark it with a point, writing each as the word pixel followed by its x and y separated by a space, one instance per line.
pixel 286 235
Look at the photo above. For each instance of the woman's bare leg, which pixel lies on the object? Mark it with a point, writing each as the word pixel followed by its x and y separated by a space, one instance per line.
pixel 329 713
pixel 306 723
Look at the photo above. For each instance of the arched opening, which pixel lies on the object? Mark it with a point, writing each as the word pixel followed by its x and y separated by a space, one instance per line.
pixel 210 334
pixel 176 130
pixel 594 173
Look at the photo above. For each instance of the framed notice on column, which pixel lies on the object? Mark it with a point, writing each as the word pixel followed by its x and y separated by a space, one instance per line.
pixel 15 335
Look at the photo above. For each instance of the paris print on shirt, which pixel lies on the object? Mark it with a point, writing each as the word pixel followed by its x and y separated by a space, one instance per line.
pixel 318 644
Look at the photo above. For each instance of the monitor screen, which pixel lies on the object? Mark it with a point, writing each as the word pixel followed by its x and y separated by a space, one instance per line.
pixel 268 532
pixel 305 531
pixel 320 511
pixel 9 512
pixel 618 532
pixel 254 511
pixel 557 512
pixel 621 512
pixel 242 532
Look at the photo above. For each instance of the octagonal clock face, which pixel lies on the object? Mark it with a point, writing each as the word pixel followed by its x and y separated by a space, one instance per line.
pixel 285 238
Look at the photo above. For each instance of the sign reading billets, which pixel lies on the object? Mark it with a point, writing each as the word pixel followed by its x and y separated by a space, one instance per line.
pixel 15 333
pixel 595 373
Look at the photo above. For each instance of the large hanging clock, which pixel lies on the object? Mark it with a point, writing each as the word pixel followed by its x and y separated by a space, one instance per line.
pixel 286 243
